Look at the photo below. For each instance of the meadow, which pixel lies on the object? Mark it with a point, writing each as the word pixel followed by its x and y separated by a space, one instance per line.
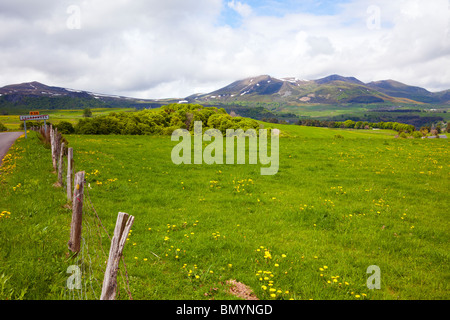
pixel 342 201
pixel 12 122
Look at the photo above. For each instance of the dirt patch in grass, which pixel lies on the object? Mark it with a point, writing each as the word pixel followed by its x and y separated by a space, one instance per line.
pixel 241 290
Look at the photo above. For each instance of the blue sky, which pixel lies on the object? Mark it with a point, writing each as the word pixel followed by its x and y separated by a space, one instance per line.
pixel 280 8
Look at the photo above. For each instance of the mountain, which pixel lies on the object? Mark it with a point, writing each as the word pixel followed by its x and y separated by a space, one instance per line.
pixel 261 85
pixel 336 77
pixel 333 89
pixel 398 89
pixel 38 89
pixel 23 96
pixel 444 95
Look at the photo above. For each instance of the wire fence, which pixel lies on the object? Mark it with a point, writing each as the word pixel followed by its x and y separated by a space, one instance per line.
pixel 89 263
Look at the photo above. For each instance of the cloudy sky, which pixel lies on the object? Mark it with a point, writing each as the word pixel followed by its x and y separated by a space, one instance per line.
pixel 174 48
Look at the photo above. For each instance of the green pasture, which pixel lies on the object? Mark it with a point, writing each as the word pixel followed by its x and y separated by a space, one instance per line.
pixel 12 122
pixel 342 201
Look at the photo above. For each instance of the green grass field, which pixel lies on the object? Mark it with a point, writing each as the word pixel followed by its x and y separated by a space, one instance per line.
pixel 344 112
pixel 12 122
pixel 336 207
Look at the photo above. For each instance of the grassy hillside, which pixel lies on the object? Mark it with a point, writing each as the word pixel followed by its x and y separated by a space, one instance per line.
pixel 336 207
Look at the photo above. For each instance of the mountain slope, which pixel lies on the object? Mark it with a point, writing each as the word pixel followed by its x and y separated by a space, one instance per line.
pixel 401 90
pixel 38 89
pixel 444 96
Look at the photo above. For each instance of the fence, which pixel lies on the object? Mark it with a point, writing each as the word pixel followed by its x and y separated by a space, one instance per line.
pixel 87 230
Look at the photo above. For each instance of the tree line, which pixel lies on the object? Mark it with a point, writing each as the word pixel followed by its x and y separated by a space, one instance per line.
pixel 404 130
pixel 161 121
pixel 350 124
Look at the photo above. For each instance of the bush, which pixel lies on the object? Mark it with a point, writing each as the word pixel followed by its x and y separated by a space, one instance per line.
pixel 2 127
pixel 32 124
pixel 417 134
pixel 65 127
pixel 85 126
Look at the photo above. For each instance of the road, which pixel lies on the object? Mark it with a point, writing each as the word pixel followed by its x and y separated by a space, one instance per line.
pixel 6 141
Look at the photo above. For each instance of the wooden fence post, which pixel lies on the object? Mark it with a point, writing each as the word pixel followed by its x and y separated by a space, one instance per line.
pixel 53 146
pixel 69 173
pixel 57 146
pixel 123 226
pixel 77 212
pixel 60 164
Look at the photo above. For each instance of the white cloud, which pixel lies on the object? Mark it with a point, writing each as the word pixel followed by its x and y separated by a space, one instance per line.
pixel 243 9
pixel 159 49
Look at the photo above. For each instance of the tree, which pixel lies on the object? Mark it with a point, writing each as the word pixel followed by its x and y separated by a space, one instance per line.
pixel 349 124
pixel 87 113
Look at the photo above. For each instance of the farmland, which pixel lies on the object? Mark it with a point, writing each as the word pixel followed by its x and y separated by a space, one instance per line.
pixel 12 122
pixel 342 200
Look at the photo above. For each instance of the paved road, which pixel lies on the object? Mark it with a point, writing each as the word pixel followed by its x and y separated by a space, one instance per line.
pixel 6 141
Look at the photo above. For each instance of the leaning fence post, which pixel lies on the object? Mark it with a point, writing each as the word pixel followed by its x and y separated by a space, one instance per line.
pixel 60 164
pixel 69 173
pixel 123 226
pixel 77 210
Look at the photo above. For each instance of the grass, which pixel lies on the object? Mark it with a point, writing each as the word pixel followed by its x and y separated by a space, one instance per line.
pixel 12 122
pixel 33 224
pixel 362 111
pixel 336 207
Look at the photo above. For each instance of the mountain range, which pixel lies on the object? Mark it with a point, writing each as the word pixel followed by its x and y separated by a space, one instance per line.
pixel 40 96
pixel 334 89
